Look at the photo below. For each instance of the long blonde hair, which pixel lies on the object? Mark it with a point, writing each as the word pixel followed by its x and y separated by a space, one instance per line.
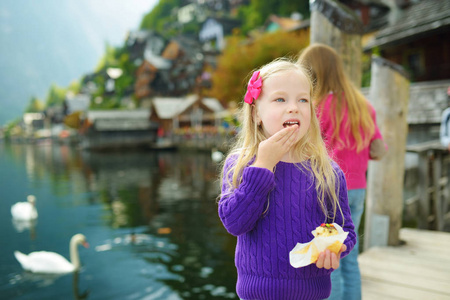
pixel 328 73
pixel 310 147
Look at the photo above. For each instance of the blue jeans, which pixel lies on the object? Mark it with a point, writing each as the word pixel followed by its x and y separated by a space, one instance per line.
pixel 346 280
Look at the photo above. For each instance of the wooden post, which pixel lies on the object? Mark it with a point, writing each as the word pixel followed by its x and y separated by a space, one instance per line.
pixel 437 200
pixel 424 195
pixel 389 94
pixel 337 26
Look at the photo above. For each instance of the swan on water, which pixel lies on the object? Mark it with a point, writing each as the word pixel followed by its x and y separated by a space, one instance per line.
pixel 216 155
pixel 51 262
pixel 25 210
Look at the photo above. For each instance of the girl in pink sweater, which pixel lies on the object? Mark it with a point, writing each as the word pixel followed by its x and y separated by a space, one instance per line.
pixel 350 132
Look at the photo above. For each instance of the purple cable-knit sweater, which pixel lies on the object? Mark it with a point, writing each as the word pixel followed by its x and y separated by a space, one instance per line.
pixel 264 240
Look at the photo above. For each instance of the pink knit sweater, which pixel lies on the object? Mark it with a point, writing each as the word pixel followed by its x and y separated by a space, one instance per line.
pixel 353 163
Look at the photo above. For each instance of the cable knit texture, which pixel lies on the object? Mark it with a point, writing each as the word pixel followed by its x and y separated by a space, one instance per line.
pixel 354 164
pixel 264 239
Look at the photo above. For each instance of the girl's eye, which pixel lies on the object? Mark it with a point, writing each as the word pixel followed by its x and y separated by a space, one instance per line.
pixel 279 100
pixel 303 100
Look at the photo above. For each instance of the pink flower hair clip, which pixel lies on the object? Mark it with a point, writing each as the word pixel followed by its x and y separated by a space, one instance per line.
pixel 253 88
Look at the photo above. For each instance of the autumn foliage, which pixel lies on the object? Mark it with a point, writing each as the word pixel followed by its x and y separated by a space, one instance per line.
pixel 241 57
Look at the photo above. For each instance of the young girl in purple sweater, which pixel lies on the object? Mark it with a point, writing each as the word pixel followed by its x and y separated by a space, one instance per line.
pixel 278 185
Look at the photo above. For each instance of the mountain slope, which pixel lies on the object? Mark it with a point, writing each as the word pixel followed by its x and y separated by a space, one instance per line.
pixel 44 42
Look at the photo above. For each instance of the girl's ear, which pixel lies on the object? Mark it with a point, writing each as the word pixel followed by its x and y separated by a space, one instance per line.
pixel 255 115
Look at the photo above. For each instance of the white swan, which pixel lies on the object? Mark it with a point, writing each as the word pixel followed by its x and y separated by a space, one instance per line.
pixel 25 210
pixel 216 155
pixel 51 262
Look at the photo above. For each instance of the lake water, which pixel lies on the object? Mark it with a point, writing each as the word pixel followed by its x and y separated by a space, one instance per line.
pixel 150 219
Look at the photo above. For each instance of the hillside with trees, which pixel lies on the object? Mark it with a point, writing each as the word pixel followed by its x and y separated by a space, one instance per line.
pixel 247 48
pixel 235 64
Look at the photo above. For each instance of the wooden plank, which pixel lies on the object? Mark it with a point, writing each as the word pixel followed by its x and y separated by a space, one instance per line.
pixel 428 245
pixel 415 233
pixel 418 270
pixel 397 276
pixel 426 260
pixel 407 269
pixel 425 243
pixel 425 146
pixel 412 233
pixel 376 290
pixel 414 236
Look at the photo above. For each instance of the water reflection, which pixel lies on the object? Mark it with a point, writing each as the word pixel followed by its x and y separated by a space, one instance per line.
pixel 77 295
pixel 45 280
pixel 23 225
pixel 151 213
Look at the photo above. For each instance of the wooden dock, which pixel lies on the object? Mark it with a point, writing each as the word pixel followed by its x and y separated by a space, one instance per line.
pixel 419 269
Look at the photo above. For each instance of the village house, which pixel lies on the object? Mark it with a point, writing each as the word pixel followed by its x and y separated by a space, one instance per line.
pixel 417 37
pixel 111 129
pixel 190 112
pixel 34 125
pixel 191 12
pixel 144 41
pixel 76 102
pixel 213 31
pixel 413 34
pixel 187 65
pixel 190 121
pixel 171 72
pixel 63 120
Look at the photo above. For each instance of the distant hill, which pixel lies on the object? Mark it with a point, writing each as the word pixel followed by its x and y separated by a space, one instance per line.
pixel 44 42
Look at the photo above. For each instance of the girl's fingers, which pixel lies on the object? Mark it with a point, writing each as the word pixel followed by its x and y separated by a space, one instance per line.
pixel 292 138
pixel 334 261
pixel 283 134
pixel 327 262
pixel 319 262
pixel 287 138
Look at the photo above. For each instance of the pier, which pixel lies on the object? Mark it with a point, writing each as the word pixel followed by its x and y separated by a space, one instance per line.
pixel 418 269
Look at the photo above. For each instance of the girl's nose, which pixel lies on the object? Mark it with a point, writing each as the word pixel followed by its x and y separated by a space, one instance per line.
pixel 292 108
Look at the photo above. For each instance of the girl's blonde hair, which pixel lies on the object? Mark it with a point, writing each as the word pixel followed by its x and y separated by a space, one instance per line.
pixel 328 73
pixel 310 147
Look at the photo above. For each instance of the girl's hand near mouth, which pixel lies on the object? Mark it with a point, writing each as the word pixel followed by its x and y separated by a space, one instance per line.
pixel 271 150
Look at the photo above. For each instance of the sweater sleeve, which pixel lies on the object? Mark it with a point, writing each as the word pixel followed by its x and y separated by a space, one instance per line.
pixel 345 219
pixel 241 208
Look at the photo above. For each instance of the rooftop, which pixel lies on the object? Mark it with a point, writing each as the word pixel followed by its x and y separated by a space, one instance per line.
pixel 415 20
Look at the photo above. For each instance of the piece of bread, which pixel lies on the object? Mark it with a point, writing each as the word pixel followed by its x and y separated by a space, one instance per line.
pixel 326 229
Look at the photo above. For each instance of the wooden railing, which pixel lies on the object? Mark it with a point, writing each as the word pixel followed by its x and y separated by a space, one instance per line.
pixel 433 188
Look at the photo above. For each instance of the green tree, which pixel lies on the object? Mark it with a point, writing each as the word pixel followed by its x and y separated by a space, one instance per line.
pixel 11 127
pixel 114 57
pixel 35 105
pixel 109 59
pixel 55 96
pixel 239 59
pixel 161 16
pixel 74 87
